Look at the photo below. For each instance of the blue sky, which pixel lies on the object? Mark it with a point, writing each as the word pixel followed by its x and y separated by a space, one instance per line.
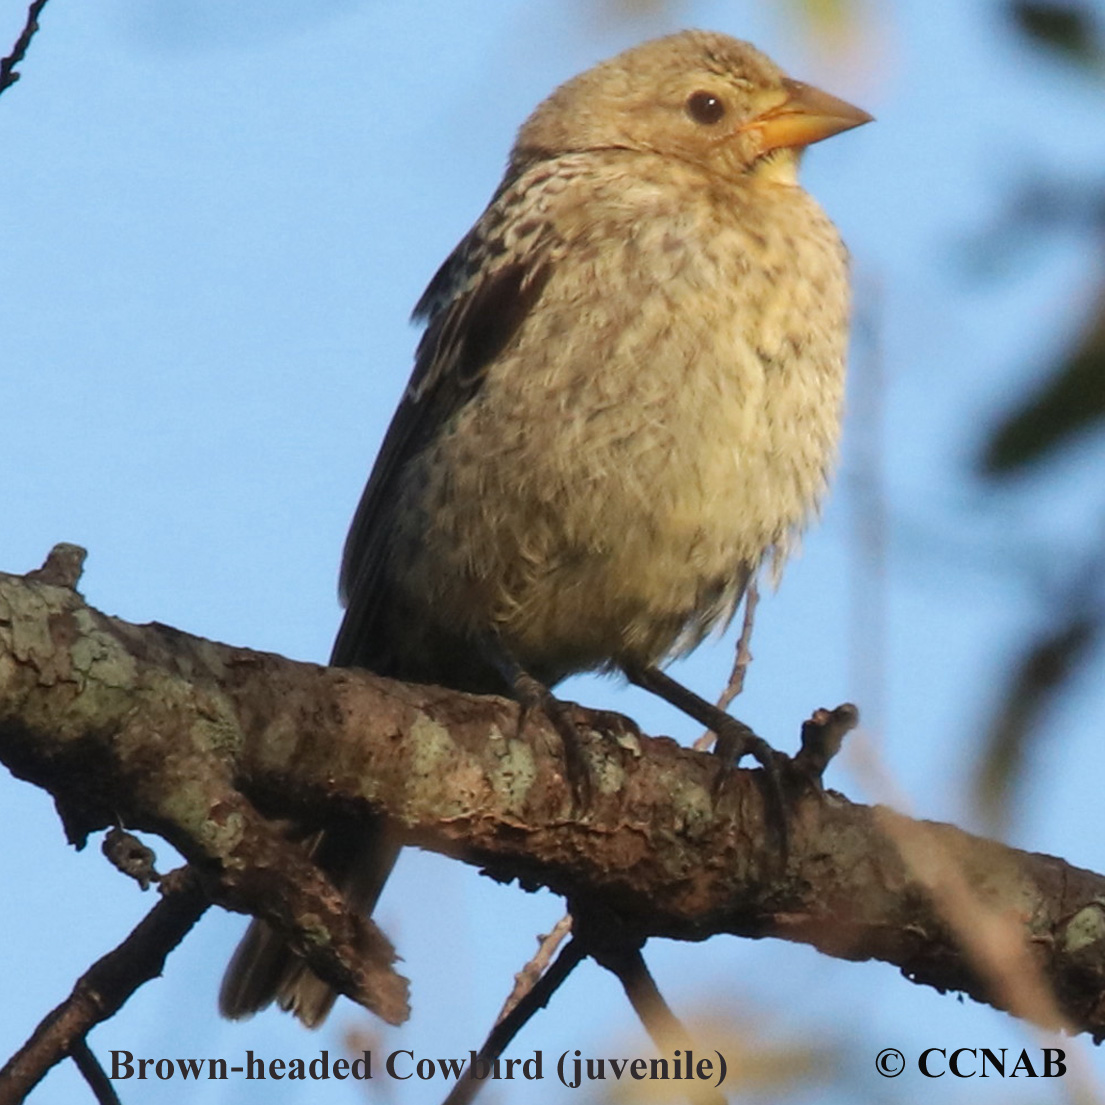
pixel 214 222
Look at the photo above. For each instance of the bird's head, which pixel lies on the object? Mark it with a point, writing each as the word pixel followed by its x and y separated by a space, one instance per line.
pixel 702 97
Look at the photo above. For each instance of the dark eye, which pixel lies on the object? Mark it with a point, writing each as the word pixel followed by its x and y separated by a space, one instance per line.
pixel 705 108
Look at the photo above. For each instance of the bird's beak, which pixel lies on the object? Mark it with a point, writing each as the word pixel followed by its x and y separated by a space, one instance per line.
pixel 806 116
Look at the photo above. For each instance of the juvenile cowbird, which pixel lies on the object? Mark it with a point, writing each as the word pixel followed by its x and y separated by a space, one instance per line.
pixel 626 399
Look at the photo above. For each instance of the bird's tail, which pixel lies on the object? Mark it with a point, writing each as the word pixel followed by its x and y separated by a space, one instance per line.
pixel 264 968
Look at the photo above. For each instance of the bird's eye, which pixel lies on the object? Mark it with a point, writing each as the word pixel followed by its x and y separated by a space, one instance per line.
pixel 705 108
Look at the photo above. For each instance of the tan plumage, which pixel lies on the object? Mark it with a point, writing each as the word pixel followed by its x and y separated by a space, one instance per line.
pixel 628 393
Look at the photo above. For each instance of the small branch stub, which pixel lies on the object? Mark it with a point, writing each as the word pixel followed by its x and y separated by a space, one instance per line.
pixel 822 737
pixel 62 567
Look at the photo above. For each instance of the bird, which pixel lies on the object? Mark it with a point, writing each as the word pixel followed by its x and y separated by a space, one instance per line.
pixel 626 402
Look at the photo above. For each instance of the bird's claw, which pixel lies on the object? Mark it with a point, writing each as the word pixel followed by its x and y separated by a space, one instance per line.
pixel 735 740
pixel 536 698
pixel 608 723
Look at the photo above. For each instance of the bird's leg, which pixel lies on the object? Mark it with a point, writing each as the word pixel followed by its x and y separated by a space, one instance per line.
pixel 531 694
pixel 735 740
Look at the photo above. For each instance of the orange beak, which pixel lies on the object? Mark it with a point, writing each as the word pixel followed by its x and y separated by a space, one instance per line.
pixel 806 116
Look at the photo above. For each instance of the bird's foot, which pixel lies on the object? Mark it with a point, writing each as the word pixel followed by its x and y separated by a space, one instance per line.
pixel 533 696
pixel 735 740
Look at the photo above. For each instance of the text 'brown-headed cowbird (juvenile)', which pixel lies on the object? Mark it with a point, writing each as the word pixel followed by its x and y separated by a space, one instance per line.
pixel 627 398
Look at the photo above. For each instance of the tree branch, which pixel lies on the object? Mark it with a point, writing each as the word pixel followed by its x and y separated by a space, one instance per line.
pixel 199 742
pixel 101 992
pixel 511 1023
pixel 8 74
pixel 89 1066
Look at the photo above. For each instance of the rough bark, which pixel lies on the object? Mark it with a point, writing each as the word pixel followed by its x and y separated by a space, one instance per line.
pixel 202 742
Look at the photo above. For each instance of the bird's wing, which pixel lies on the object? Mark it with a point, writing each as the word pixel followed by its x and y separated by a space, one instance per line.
pixel 474 306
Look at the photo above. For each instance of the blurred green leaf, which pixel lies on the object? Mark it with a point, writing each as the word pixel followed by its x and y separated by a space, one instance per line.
pixel 1070 30
pixel 1072 401
pixel 831 16
pixel 1039 677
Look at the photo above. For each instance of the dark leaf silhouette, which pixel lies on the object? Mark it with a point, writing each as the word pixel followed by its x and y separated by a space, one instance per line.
pixel 1069 30
pixel 1042 674
pixel 1071 402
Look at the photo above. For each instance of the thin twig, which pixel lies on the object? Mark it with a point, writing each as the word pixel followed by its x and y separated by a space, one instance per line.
pixel 741 661
pixel 89 1066
pixel 509 1027
pixel 8 75
pixel 106 985
pixel 665 1029
pixel 527 977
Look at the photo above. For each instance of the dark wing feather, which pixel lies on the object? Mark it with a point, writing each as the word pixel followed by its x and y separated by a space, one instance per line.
pixel 475 306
